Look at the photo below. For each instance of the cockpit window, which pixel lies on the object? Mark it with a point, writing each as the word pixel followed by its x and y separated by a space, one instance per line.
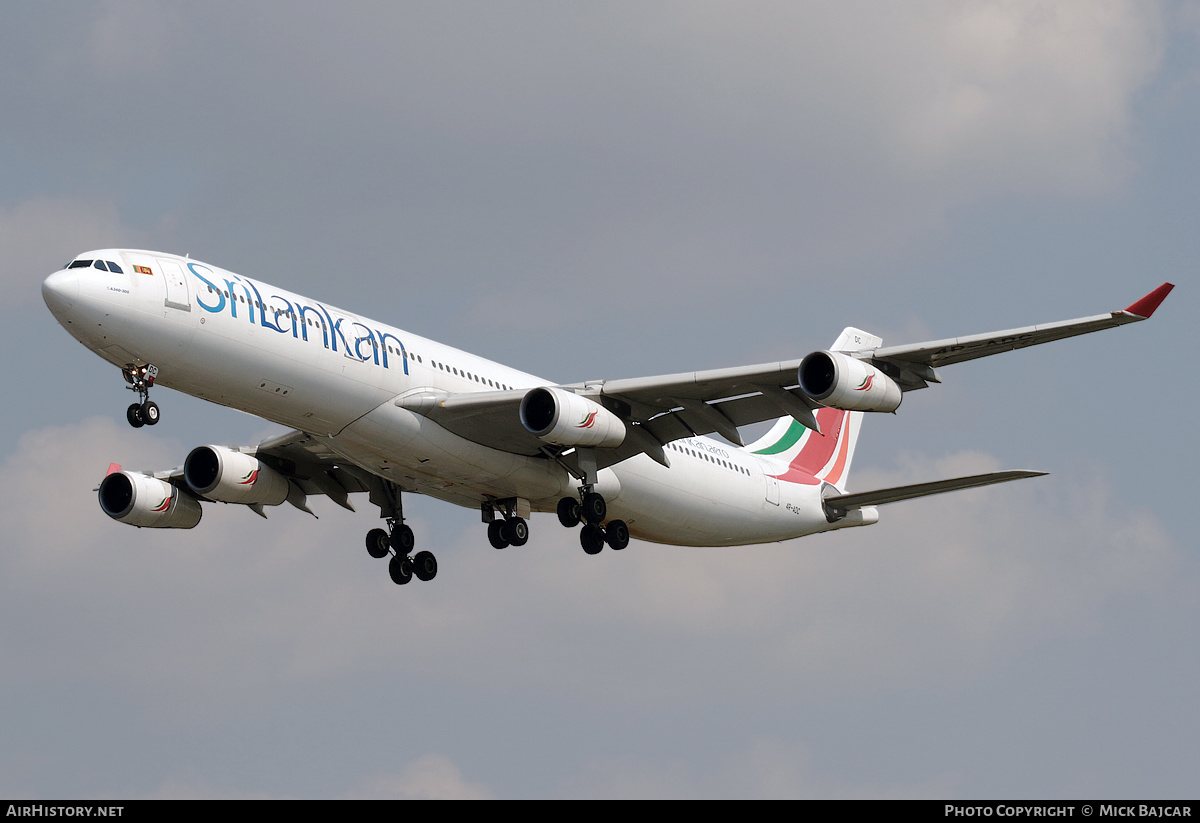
pixel 103 265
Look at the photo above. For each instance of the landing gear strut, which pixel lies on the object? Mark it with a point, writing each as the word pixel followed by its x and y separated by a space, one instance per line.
pixel 140 379
pixel 398 539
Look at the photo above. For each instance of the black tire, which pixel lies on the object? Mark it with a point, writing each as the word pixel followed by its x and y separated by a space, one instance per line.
pixel 403 539
pixel 150 413
pixel 594 508
pixel 516 531
pixel 496 535
pixel 400 569
pixel 424 565
pixel 134 415
pixel 378 544
pixel 568 512
pixel 591 537
pixel 616 535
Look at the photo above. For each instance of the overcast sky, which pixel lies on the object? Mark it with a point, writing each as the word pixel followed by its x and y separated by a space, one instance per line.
pixel 612 190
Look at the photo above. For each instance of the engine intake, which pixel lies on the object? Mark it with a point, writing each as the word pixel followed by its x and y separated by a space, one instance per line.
pixel 227 476
pixel 566 419
pixel 833 379
pixel 139 500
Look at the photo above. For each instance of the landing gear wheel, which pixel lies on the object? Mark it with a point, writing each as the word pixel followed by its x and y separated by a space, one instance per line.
pixel 516 531
pixel 150 413
pixel 378 544
pixel 424 565
pixel 568 512
pixel 402 539
pixel 496 535
pixel 594 508
pixel 140 379
pixel 401 569
pixel 616 535
pixel 591 537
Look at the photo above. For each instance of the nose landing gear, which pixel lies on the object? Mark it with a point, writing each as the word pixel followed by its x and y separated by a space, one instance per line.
pixel 140 379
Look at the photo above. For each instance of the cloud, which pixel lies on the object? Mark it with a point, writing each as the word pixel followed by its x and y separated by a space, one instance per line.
pixel 938 589
pixel 1021 96
pixel 766 768
pixel 431 777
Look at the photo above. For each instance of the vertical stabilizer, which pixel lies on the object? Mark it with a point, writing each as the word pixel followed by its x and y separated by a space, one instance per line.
pixel 803 455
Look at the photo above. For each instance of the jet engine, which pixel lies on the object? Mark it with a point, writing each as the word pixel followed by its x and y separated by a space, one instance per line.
pixel 227 476
pixel 139 500
pixel 566 419
pixel 841 382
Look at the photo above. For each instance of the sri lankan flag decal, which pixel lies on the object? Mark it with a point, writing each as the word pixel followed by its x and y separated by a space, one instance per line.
pixel 143 270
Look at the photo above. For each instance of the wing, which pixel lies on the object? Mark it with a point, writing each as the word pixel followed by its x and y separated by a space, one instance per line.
pixel 913 364
pixel 307 465
pixel 658 410
pixel 655 410
pixel 286 468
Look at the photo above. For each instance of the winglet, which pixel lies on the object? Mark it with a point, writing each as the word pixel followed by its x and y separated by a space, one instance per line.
pixel 1146 306
pixel 112 468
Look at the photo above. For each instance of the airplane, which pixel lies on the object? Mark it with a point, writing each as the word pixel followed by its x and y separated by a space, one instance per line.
pixel 373 409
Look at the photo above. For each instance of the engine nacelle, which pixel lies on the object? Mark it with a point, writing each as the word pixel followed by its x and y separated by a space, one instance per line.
pixel 138 500
pixel 227 476
pixel 566 419
pixel 841 382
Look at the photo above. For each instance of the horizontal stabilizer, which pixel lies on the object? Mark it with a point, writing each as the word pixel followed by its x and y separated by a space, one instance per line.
pixel 857 500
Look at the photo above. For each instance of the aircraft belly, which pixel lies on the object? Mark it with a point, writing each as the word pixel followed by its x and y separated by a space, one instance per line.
pixel 693 505
pixel 417 453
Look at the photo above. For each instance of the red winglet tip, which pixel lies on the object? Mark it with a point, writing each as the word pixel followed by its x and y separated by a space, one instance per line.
pixel 1146 306
pixel 112 467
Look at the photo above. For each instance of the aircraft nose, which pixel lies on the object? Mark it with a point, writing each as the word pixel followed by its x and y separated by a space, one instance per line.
pixel 60 291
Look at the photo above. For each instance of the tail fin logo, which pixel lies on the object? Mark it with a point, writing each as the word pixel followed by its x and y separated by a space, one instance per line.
pixel 821 457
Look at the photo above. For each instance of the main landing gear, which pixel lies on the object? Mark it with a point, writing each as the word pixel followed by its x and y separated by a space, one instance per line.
pixel 507 524
pixel 141 378
pixel 591 509
pixel 397 539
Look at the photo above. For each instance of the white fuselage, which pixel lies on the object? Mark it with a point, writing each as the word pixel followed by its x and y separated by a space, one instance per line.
pixel 308 365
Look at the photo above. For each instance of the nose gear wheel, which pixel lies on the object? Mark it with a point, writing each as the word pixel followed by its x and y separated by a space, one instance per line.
pixel 140 379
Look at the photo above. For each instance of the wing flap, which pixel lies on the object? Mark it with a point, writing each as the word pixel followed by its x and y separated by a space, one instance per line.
pixel 313 467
